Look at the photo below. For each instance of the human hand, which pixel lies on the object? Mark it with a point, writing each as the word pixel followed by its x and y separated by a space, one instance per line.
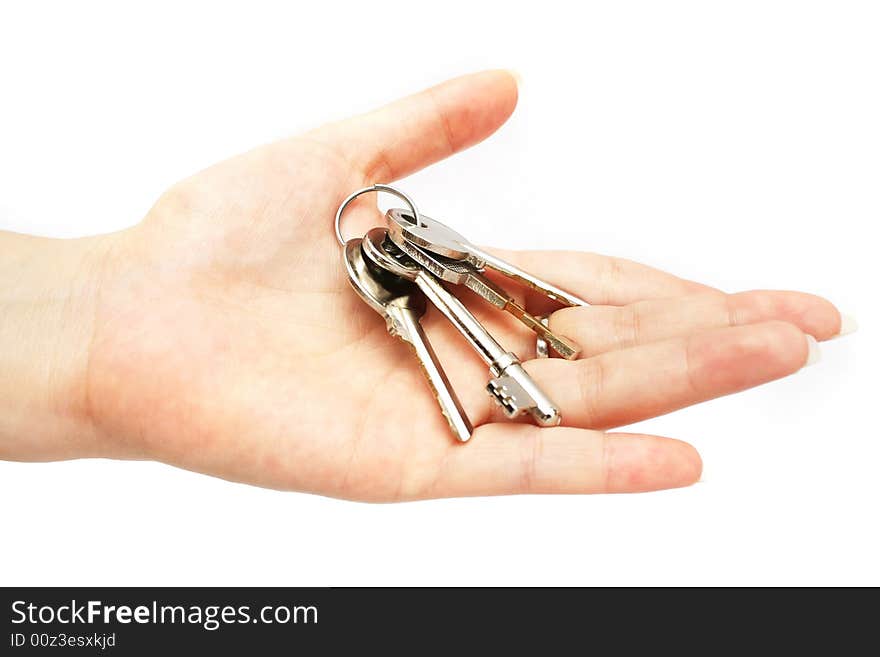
pixel 221 335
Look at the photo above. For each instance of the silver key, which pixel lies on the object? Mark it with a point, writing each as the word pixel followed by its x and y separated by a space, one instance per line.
pixel 512 387
pixel 541 346
pixel 462 272
pixel 436 237
pixel 402 304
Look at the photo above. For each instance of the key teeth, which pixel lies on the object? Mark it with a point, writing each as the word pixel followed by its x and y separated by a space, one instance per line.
pixel 515 399
pixel 504 398
pixel 394 329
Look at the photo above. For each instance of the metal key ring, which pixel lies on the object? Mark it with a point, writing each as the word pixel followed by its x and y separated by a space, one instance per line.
pixel 375 188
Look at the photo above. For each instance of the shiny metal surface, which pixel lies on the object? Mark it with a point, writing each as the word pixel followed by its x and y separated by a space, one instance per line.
pixel 378 187
pixel 402 305
pixel 513 389
pixel 436 237
pixel 541 347
pixel 461 272
pixel 429 234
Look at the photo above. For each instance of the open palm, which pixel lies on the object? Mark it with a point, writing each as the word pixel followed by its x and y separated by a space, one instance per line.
pixel 228 341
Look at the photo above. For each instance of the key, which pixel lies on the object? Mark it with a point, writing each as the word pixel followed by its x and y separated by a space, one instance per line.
pixel 440 239
pixel 540 343
pixel 462 272
pixel 402 304
pixel 512 388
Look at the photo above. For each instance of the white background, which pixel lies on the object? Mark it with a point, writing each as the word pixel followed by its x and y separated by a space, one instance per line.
pixel 735 143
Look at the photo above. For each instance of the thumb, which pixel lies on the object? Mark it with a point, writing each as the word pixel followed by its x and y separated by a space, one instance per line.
pixel 409 134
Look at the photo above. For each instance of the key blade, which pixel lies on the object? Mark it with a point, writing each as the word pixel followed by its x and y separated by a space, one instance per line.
pixel 512 388
pixel 408 329
pixel 512 271
pixel 500 298
pixel 463 273
pixel 488 291
pixel 401 304
pixel 457 272
pixel 509 396
pixel 437 238
pixel 541 346
pixel 517 393
pixel 561 345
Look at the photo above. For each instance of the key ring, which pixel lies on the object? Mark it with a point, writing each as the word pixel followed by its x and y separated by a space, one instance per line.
pixel 378 187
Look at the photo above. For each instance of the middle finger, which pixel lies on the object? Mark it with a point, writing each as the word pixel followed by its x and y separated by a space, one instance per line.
pixel 630 385
pixel 599 329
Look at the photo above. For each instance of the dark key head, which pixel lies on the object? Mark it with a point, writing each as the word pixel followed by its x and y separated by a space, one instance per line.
pixel 376 286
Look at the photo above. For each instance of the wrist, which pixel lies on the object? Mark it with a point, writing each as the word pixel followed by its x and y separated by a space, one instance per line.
pixel 49 295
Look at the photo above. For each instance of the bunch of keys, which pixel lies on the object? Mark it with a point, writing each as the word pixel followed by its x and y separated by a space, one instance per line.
pixel 397 269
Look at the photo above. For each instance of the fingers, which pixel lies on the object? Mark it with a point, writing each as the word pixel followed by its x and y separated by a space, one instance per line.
pixel 599 329
pixel 411 133
pixel 509 459
pixel 598 279
pixel 626 386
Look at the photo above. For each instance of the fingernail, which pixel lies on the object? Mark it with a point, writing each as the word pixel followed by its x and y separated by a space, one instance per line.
pixel 516 75
pixel 813 353
pixel 848 324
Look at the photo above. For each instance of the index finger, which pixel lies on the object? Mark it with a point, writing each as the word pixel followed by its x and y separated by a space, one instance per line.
pixel 600 279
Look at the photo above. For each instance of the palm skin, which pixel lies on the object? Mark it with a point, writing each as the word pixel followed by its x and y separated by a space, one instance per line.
pixel 256 357
pixel 227 339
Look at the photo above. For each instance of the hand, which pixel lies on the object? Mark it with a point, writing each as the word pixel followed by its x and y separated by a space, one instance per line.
pixel 221 335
